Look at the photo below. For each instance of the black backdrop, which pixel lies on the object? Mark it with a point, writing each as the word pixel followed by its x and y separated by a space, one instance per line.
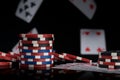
pixel 64 20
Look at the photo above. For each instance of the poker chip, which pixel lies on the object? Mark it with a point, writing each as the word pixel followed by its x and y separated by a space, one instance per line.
pixel 36 57
pixel 36 42
pixel 37 54
pixel 36 39
pixel 60 56
pixel 109 57
pixel 110 53
pixel 35 51
pixel 109 66
pixel 36 63
pixel 33 60
pixel 109 60
pixel 109 63
pixel 36 48
pixel 78 58
pixel 37 35
pixel 4 65
pixel 35 45
pixel 7 54
pixel 5 58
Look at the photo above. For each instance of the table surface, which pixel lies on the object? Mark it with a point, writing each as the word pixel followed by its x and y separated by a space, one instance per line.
pixel 54 74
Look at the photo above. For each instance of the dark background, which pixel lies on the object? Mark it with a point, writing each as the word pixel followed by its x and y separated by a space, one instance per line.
pixel 62 19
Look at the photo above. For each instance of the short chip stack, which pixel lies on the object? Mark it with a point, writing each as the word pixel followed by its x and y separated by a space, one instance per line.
pixel 109 59
pixel 36 51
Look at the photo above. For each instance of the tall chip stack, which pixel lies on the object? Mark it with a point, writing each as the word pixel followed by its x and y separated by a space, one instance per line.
pixel 109 59
pixel 36 52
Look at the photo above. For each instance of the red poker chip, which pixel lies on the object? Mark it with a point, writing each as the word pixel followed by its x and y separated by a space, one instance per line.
pixel 111 67
pixel 10 54
pixel 5 63
pixel 109 60
pixel 109 63
pixel 57 56
pixel 110 57
pixel 5 58
pixel 37 39
pixel 37 54
pixel 5 54
pixel 77 58
pixel 35 67
pixel 36 48
pixel 35 60
pixel 36 45
pixel 36 42
pixel 37 35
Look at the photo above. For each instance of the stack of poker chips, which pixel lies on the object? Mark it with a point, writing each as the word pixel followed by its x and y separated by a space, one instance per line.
pixel 36 51
pixel 109 59
pixel 7 60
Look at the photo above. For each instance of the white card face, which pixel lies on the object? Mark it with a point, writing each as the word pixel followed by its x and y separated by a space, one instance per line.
pixel 27 9
pixel 87 7
pixel 34 31
pixel 92 41
pixel 15 49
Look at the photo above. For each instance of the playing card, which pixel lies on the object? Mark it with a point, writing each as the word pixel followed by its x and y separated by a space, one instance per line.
pixel 87 7
pixel 85 67
pixel 15 49
pixel 27 9
pixel 92 41
pixel 34 31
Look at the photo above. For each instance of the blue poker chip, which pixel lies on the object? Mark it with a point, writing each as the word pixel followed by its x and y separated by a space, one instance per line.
pixel 36 63
pixel 35 51
pixel 36 57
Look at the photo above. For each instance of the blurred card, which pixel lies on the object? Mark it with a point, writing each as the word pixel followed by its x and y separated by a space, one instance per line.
pixel 92 41
pixel 87 7
pixel 27 9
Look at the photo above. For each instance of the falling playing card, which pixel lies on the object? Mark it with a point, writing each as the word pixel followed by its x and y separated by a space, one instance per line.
pixel 15 49
pixel 87 7
pixel 92 41
pixel 27 9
